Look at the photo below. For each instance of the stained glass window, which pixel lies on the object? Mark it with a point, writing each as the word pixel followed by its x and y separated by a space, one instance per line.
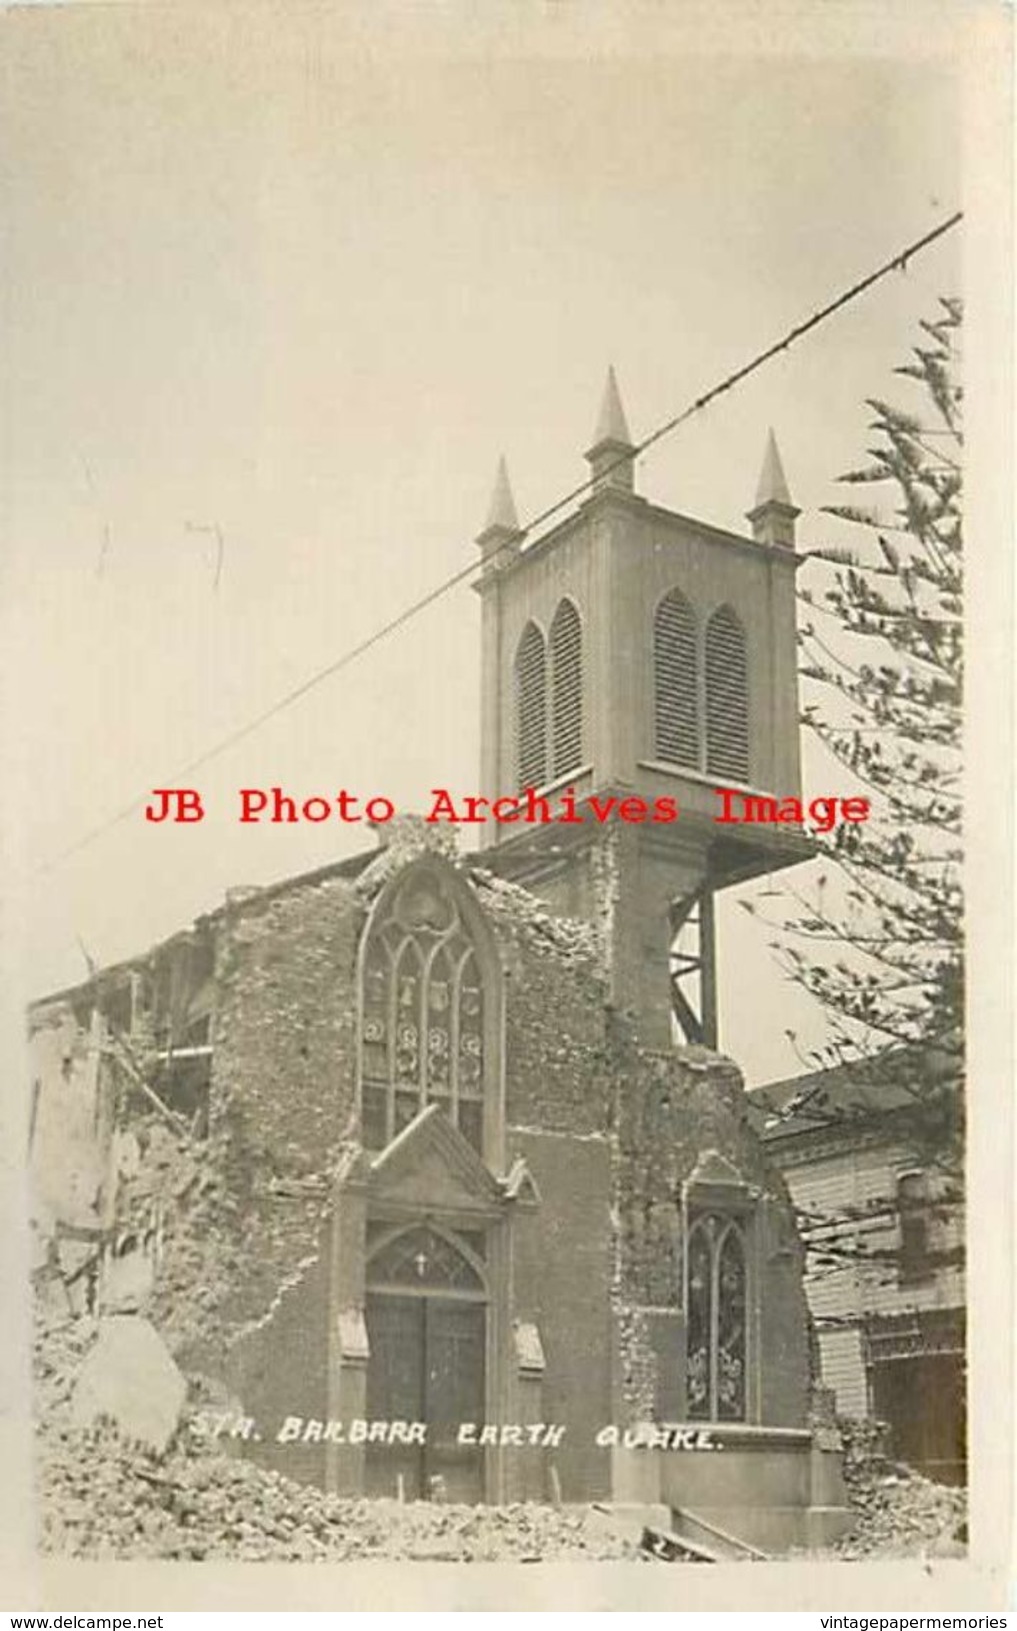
pixel 422 1015
pixel 717 1320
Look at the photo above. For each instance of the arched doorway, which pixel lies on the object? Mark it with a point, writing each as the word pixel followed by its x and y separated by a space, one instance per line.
pixel 427 1332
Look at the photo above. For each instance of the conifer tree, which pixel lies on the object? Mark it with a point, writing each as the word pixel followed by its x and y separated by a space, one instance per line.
pixel 876 936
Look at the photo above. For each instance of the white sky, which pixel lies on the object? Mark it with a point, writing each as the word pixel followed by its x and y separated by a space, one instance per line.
pixel 304 274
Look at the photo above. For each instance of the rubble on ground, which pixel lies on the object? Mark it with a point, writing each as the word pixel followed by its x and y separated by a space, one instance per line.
pixel 897 1512
pixel 102 1497
pixel 901 1514
pixel 60 1350
pixel 105 1495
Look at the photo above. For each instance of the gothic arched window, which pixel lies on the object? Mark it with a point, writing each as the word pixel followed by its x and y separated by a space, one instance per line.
pixel 727 697
pixel 423 1011
pixel 717 1343
pixel 675 682
pixel 566 643
pixel 531 708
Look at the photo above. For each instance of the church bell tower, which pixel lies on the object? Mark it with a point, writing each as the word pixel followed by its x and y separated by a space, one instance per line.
pixel 633 652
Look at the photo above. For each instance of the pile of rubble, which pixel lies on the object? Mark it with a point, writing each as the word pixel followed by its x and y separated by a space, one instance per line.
pixel 60 1349
pixel 162 1490
pixel 904 1515
pixel 103 1498
pixel 169 1219
pixel 121 1474
pixel 897 1512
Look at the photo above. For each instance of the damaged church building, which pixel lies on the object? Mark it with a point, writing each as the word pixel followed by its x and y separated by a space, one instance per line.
pixel 427 1167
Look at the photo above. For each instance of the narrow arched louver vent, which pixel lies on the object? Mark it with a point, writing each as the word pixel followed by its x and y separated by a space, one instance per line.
pixel 676 730
pixel 566 690
pixel 727 697
pixel 531 708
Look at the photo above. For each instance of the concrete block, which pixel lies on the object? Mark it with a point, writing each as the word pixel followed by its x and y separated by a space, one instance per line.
pixel 127 1281
pixel 131 1377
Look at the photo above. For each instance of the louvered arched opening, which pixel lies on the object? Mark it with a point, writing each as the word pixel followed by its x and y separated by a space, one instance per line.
pixel 675 688
pixel 531 708
pixel 727 697
pixel 566 645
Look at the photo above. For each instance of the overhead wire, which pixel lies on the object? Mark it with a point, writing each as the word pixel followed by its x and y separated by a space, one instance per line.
pixel 897 262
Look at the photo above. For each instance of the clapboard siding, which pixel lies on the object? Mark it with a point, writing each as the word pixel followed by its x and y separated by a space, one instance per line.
pixel 834 1187
pixel 843 1366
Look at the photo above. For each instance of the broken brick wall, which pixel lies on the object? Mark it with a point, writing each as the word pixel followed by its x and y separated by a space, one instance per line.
pixel 559 1115
pixel 278 1367
pixel 284 1074
pixel 673 1108
pixel 556 1058
pixel 224 1206
pixel 71 1119
pixel 71 1157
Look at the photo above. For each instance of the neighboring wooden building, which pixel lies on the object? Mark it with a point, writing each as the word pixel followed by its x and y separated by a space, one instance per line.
pixel 883 1227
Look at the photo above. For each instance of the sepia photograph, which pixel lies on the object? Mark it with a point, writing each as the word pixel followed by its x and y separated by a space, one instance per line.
pixel 505 755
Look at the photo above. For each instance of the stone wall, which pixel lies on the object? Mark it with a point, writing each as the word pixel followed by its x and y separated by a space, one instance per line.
pixel 283 1102
pixel 563 1284
pixel 671 1108
pixel 284 1077
pixel 556 1058
pixel 279 1368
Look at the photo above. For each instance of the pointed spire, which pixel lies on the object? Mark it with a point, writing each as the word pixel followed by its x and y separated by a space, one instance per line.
pixel 612 442
pixel 773 487
pixel 502 536
pixel 774 513
pixel 502 513
pixel 612 426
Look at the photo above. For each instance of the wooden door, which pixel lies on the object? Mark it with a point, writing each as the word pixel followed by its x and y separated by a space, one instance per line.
pixel 395 1392
pixel 426 1365
pixel 923 1400
pixel 454 1394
